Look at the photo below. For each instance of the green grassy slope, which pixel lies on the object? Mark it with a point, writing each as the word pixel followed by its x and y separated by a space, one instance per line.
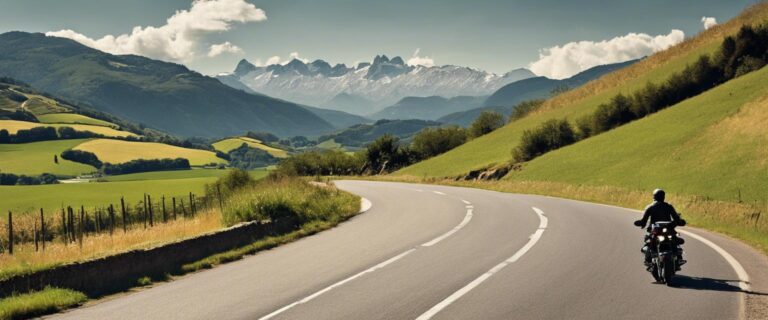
pixel 230 144
pixel 714 144
pixel 181 174
pixel 73 118
pixel 496 147
pixel 37 157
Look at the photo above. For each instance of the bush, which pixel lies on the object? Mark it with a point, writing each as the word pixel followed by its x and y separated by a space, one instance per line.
pixel 385 154
pixel 326 162
pixel 432 141
pixel 146 165
pixel 9 179
pixel 34 134
pixel 486 122
pixel 228 184
pixel 80 156
pixel 4 136
pixel 551 135
pixel 524 108
pixel 265 137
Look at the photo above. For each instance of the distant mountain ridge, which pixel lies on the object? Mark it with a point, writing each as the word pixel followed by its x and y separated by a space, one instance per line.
pixel 505 99
pixel 428 108
pixel 162 95
pixel 378 84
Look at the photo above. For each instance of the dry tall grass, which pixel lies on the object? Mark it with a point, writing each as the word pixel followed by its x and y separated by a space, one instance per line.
pixel 26 259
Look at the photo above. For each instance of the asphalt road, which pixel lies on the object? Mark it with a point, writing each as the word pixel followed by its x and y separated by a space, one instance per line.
pixel 425 251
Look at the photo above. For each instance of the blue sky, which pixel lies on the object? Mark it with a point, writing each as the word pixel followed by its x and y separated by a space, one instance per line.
pixel 493 35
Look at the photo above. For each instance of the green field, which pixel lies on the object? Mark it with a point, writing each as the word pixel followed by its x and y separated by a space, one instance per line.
pixel 40 105
pixel 73 118
pixel 26 199
pixel 180 174
pixel 230 144
pixel 14 126
pixel 715 144
pixel 37 157
pixel 117 151
pixel 330 144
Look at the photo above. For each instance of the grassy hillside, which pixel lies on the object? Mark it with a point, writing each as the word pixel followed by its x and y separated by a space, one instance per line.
pixel 707 145
pixel 181 174
pixel 37 157
pixel 13 126
pixel 230 144
pixel 73 118
pixel 118 151
pixel 496 147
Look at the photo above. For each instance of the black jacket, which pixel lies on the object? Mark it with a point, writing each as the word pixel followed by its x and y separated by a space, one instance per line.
pixel 660 211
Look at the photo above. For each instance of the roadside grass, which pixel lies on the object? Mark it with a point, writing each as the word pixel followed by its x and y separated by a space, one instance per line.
pixel 37 157
pixel 24 200
pixel 714 145
pixel 732 218
pixel 230 144
pixel 26 260
pixel 74 119
pixel 38 303
pixel 118 151
pixel 494 148
pixel 13 126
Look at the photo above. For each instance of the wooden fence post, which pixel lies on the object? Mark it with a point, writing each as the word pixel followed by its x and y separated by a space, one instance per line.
pixel 81 229
pixel 122 205
pixel 144 213
pixel 183 210
pixel 10 232
pixel 37 244
pixel 42 227
pixel 191 204
pixel 174 207
pixel 165 215
pixel 63 226
pixel 111 219
pixel 151 211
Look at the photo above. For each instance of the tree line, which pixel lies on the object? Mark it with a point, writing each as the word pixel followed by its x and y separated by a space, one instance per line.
pixel 745 52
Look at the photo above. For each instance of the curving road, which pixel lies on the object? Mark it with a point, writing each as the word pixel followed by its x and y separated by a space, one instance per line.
pixel 435 252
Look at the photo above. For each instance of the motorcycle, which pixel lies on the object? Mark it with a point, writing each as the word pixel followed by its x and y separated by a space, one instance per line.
pixel 662 244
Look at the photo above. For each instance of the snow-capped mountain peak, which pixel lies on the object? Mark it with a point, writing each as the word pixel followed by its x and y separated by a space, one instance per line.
pixel 369 86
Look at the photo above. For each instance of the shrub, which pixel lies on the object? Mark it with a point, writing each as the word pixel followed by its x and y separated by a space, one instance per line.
pixel 4 136
pixel 326 162
pixel 385 154
pixel 524 108
pixel 551 135
pixel 228 184
pixel 265 137
pixel 486 122
pixel 432 141
pixel 34 134
pixel 81 156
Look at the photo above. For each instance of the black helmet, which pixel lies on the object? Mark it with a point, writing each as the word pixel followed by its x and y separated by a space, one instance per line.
pixel 658 195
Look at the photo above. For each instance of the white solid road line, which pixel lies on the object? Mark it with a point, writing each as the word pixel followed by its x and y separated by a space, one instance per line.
pixel 458 294
pixel 364 203
pixel 337 284
pixel 438 192
pixel 467 218
pixel 740 272
pixel 465 201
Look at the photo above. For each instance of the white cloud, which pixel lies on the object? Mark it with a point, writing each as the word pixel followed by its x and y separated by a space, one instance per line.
pixel 272 60
pixel 708 22
pixel 416 60
pixel 560 62
pixel 294 55
pixel 225 47
pixel 180 36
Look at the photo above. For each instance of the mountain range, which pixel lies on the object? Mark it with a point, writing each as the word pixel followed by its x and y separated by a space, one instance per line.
pixel 158 94
pixel 365 88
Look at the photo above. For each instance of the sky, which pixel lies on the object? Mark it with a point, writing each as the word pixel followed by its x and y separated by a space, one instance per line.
pixel 552 38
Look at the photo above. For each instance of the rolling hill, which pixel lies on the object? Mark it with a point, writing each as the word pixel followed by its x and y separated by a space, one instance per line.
pixel 495 148
pixel 162 95
pixel 229 144
pixel 118 151
pixel 360 135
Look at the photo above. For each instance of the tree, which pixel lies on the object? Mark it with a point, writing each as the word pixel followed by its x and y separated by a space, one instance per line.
pixel 55 159
pixel 4 136
pixel 433 141
pixel 485 123
pixel 385 154
pixel 551 135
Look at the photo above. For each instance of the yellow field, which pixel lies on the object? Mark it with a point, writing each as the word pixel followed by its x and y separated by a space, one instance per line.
pixel 230 144
pixel 117 151
pixel 73 118
pixel 14 126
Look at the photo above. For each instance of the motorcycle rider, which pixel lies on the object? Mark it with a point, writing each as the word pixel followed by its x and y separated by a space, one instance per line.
pixel 660 211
